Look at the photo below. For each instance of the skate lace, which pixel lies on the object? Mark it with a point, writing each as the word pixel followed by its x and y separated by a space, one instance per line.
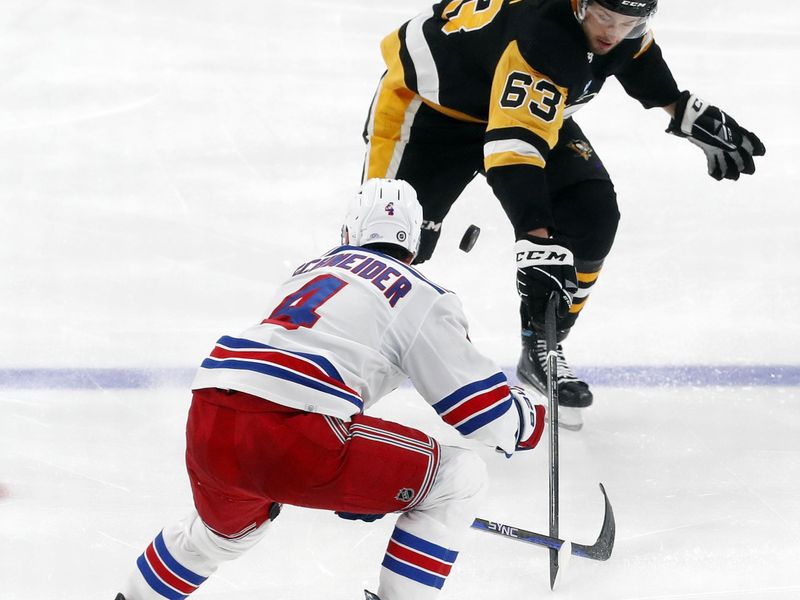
pixel 564 371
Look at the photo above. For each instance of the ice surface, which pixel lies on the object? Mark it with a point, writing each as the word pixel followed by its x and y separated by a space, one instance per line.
pixel 705 486
pixel 164 164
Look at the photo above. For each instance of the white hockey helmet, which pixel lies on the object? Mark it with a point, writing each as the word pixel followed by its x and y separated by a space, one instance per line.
pixel 384 211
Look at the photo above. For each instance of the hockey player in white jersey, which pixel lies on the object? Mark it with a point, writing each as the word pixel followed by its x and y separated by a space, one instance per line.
pixel 278 414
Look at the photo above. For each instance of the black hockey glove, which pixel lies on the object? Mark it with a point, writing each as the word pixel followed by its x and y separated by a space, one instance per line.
pixel 729 147
pixel 358 517
pixel 544 266
pixel 428 239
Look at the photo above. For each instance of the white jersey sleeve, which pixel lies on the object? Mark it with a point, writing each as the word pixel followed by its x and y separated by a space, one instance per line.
pixel 466 389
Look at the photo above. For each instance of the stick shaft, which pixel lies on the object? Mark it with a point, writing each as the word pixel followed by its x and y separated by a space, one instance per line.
pixel 552 407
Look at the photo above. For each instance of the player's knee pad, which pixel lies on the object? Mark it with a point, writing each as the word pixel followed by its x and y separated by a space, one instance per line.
pixel 605 215
pixel 209 549
pixel 462 478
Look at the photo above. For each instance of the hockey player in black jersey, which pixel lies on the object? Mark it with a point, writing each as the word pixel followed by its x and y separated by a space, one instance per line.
pixel 490 87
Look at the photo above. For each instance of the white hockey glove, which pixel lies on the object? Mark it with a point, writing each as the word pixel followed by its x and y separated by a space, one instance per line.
pixel 729 147
pixel 531 419
pixel 544 266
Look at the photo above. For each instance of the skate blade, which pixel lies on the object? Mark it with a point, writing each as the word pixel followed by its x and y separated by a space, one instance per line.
pixel 530 384
pixel 569 418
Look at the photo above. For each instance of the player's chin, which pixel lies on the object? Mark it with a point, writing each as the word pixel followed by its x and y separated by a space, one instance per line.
pixel 602 46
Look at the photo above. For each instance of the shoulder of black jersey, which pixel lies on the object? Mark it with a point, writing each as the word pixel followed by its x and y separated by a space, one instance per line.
pixel 630 48
pixel 626 51
pixel 551 40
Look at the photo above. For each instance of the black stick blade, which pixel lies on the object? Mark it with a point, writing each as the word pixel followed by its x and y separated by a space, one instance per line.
pixel 604 546
pixel 600 550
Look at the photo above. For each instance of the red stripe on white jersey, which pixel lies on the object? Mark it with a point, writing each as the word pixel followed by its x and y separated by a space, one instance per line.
pixel 469 407
pixel 276 357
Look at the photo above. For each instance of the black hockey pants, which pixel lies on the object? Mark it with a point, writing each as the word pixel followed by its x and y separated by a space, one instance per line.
pixel 439 156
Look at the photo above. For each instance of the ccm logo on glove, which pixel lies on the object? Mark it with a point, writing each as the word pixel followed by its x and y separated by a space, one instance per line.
pixel 528 255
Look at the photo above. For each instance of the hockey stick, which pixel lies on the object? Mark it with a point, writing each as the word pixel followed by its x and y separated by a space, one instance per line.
pixel 600 550
pixel 552 409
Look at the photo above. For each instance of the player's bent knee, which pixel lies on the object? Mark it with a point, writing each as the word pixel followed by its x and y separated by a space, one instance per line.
pixel 192 534
pixel 462 477
pixel 605 218
pixel 589 217
pixel 473 477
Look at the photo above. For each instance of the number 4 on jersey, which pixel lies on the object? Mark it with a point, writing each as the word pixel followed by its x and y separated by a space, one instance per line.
pixel 299 309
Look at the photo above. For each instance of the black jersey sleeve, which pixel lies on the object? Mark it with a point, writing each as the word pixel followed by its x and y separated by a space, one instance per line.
pixel 526 112
pixel 647 77
pixel 522 192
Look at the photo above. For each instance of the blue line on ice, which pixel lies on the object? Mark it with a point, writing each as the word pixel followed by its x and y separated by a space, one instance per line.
pixel 618 376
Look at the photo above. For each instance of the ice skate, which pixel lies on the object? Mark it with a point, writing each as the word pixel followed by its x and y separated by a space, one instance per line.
pixel 573 394
pixel 370 596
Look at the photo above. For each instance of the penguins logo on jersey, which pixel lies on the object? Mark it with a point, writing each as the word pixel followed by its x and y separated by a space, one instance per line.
pixel 581 148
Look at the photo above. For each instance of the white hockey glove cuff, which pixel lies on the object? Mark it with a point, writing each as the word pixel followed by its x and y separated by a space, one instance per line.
pixel 531 419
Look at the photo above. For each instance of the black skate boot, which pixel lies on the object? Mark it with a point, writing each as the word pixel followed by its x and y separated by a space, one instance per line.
pixel 572 392
pixel 119 597
pixel 370 596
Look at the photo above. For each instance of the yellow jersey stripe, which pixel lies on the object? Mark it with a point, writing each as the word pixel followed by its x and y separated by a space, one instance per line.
pixel 392 104
pixel 502 159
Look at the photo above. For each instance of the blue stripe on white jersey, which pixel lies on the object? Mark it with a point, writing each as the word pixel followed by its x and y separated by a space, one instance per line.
pixel 484 418
pixel 284 374
pixel 303 369
pixel 471 389
pixel 243 344
pixel 475 405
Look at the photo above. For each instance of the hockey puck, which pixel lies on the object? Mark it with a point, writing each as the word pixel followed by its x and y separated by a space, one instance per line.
pixel 469 238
